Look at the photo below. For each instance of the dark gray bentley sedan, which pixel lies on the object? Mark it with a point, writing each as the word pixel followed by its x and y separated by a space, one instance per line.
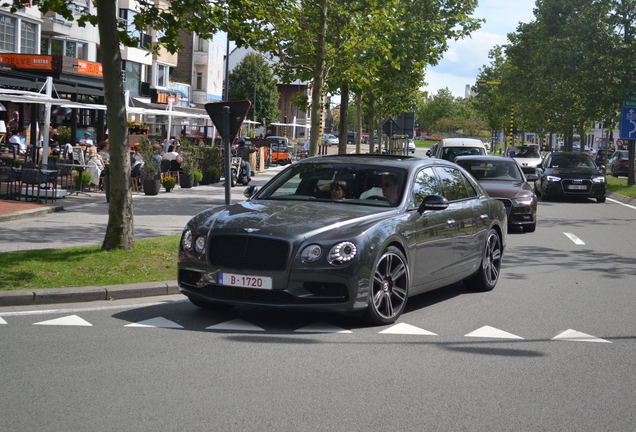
pixel 346 233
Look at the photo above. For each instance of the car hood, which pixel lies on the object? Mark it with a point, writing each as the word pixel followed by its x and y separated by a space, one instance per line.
pixel 575 172
pixel 503 189
pixel 287 219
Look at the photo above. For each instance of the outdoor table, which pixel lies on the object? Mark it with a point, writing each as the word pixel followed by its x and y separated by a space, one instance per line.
pixel 80 169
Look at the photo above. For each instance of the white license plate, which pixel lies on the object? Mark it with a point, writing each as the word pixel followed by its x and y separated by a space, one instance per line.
pixel 577 187
pixel 245 281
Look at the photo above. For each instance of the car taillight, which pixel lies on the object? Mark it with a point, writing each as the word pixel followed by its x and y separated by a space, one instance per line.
pixel 623 162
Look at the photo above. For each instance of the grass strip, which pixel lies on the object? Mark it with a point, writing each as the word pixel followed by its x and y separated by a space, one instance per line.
pixel 152 260
pixel 619 185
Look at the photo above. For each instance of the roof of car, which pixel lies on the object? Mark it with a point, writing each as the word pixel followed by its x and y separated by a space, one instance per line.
pixel 461 142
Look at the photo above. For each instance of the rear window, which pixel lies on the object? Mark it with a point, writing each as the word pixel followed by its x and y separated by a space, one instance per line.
pixel 450 153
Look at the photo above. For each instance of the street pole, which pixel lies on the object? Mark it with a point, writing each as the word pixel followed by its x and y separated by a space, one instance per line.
pixel 228 155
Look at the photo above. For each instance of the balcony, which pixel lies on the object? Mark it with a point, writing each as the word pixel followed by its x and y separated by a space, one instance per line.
pixel 200 58
pixel 55 25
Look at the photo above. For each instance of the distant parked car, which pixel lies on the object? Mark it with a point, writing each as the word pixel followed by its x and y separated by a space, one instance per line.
pixel 618 164
pixel 600 156
pixel 570 174
pixel 504 180
pixel 411 146
pixel 450 148
pixel 330 140
pixel 280 153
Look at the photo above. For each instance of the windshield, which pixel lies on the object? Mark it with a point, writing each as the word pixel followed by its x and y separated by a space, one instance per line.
pixel 571 161
pixel 495 171
pixel 340 183
pixel 525 152
pixel 450 153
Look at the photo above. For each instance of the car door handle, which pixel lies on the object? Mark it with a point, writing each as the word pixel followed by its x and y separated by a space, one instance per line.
pixel 451 223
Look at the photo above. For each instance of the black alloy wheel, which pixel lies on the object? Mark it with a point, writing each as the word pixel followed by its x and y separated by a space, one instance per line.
pixel 389 287
pixel 488 274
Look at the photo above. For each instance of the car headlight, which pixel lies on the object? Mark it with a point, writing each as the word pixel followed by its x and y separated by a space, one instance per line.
pixel 199 245
pixel 186 240
pixel 553 178
pixel 526 200
pixel 342 252
pixel 311 253
pixel 599 179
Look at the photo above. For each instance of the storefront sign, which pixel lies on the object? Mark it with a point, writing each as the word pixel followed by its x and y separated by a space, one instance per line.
pixel 27 61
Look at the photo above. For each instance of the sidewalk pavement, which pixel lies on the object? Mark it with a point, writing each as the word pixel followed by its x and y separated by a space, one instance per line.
pixel 81 219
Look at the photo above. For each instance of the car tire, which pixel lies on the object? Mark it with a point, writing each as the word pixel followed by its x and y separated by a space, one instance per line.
pixel 389 287
pixel 600 200
pixel 530 228
pixel 210 306
pixel 545 197
pixel 488 274
pixel 537 192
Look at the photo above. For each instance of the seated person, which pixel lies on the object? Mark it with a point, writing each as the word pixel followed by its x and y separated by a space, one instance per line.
pixel 340 189
pixel 390 188
pixel 372 187
pixel 502 170
pixel 95 165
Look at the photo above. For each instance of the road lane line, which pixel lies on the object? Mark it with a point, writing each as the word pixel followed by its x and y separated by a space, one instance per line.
pixel 574 238
pixel 621 203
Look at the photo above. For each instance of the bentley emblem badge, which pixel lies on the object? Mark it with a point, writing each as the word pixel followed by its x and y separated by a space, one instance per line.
pixel 251 230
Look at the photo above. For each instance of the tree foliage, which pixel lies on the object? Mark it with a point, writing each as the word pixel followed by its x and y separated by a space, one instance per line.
pixel 252 79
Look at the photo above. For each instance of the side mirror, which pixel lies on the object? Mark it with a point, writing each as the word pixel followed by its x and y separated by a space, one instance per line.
pixel 433 202
pixel 428 152
pixel 532 177
pixel 250 191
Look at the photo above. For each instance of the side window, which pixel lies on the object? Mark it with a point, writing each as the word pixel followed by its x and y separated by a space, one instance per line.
pixel 453 184
pixel 426 183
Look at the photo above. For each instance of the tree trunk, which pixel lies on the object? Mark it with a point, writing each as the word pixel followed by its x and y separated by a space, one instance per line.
pixel 120 228
pixel 358 121
pixel 371 116
pixel 344 111
pixel 319 79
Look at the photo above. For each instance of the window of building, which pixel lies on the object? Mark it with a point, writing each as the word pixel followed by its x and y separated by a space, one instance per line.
pixel 148 75
pixel 57 47
pixel 162 75
pixel 82 51
pixel 44 46
pixel 70 49
pixel 132 76
pixel 27 38
pixel 7 33
pixel 199 83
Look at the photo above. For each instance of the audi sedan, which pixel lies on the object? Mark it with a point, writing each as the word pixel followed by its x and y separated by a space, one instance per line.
pixel 346 233
pixel 504 179
pixel 570 174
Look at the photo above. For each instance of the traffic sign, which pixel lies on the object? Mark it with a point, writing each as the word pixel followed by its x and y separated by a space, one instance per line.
pixel 390 127
pixel 630 101
pixel 238 112
pixel 628 122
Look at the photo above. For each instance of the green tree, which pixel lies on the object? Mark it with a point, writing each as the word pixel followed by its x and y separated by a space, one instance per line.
pixel 242 19
pixel 253 77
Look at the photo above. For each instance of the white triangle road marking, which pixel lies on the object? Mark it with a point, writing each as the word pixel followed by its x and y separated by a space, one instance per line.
pixel 491 332
pixel 2 321
pixel 576 336
pixel 235 325
pixel 321 327
pixel 403 328
pixel 71 320
pixel 574 238
pixel 159 322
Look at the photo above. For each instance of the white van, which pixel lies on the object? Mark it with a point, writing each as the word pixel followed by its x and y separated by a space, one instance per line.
pixel 450 148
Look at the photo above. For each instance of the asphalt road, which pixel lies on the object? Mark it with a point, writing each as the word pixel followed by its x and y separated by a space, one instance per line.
pixel 551 348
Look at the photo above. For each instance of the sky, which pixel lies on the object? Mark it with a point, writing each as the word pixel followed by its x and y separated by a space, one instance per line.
pixel 461 63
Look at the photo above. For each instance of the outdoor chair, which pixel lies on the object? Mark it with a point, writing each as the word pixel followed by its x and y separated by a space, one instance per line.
pixel 165 168
pixel 9 177
pixel 175 169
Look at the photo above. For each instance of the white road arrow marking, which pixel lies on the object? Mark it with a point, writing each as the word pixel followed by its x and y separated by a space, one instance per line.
pixel 403 328
pixel 576 336
pixel 2 321
pixel 491 332
pixel 159 322
pixel 574 238
pixel 321 327
pixel 71 320
pixel 235 325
